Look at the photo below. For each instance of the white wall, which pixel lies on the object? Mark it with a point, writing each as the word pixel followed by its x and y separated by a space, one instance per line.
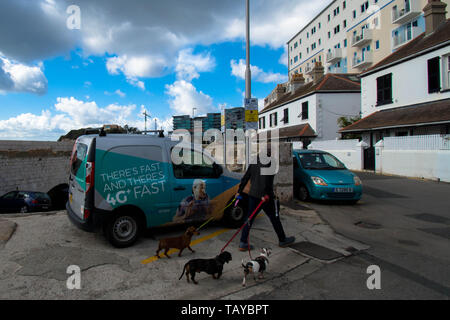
pixel 324 111
pixel 409 84
pixel 349 152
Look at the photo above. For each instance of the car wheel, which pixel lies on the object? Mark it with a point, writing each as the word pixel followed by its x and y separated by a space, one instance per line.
pixel 303 193
pixel 123 230
pixel 24 209
pixel 234 217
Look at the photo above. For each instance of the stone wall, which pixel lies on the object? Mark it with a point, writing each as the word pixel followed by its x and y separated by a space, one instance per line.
pixel 33 165
pixel 284 180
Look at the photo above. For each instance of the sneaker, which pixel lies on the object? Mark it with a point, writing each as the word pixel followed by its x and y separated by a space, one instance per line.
pixel 244 247
pixel 287 241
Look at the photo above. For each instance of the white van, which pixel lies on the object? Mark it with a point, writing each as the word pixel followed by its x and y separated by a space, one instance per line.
pixel 123 184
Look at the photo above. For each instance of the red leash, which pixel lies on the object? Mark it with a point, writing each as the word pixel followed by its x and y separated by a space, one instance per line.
pixel 266 198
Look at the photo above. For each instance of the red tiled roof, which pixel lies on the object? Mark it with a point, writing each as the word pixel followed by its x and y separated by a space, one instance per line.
pixel 431 112
pixel 329 83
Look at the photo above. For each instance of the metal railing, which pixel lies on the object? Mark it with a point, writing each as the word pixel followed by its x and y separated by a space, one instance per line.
pixel 423 142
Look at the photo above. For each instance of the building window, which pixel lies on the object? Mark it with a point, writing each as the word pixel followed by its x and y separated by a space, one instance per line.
pixel 446 69
pixel 273 120
pixel 295 45
pixel 377 44
pixel 344 5
pixel 354 14
pixel 320 42
pixel 345 23
pixel 345 43
pixel 295 59
pixel 286 116
pixel 434 75
pixel 329 17
pixel 305 111
pixel 329 35
pixel 320 25
pixel 384 90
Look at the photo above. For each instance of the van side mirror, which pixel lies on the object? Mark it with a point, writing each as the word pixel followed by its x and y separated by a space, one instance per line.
pixel 218 170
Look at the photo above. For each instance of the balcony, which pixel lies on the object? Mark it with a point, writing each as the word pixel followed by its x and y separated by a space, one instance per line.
pixel 363 60
pixel 334 55
pixel 409 11
pixel 404 36
pixel 308 69
pixel 363 39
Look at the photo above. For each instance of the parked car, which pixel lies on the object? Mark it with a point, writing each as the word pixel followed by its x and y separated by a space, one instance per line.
pixel 320 175
pixel 24 201
pixel 123 184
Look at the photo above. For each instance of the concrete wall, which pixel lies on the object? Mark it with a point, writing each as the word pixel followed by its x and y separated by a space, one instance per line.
pixel 33 165
pixel 415 156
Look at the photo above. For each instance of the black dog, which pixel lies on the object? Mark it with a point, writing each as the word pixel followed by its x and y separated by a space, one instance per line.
pixel 210 266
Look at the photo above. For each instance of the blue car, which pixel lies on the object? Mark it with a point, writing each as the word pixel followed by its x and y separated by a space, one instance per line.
pixel 321 176
pixel 24 201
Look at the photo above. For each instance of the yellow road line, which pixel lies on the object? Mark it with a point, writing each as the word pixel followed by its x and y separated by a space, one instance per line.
pixel 193 243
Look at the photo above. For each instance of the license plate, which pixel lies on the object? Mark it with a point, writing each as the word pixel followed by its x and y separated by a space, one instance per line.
pixel 343 190
pixel 45 207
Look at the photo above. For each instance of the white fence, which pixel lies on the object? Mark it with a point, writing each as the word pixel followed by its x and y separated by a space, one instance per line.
pixel 349 152
pixel 425 156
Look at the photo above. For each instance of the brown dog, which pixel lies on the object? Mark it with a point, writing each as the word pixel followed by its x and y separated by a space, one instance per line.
pixel 181 242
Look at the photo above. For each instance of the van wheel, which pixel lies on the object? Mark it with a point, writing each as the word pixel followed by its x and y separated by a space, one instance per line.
pixel 234 217
pixel 24 209
pixel 123 230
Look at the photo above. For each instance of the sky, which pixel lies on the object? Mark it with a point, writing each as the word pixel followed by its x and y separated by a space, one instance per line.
pixel 70 64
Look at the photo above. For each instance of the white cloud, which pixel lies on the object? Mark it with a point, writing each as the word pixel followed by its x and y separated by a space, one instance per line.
pixel 184 97
pixel 189 65
pixel 117 92
pixel 69 114
pixel 238 70
pixel 17 77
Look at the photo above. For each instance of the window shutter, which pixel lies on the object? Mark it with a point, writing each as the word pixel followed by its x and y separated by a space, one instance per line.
pixel 434 76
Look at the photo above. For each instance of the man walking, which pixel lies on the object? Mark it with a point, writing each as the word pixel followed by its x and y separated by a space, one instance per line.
pixel 261 186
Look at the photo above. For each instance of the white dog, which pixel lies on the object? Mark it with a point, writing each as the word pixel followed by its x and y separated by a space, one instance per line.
pixel 257 265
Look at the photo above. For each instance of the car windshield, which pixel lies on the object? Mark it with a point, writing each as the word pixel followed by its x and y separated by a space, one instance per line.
pixel 320 161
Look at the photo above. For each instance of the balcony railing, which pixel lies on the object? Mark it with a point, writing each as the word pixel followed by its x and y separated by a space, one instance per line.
pixel 363 60
pixel 308 69
pixel 409 11
pixel 362 39
pixel 405 36
pixel 334 55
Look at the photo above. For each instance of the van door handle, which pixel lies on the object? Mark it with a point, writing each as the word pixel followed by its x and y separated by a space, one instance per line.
pixel 179 188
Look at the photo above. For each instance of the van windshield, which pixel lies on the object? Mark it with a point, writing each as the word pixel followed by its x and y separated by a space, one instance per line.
pixel 78 156
pixel 320 161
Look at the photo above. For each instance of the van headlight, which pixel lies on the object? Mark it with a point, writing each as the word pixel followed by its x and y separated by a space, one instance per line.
pixel 357 181
pixel 319 181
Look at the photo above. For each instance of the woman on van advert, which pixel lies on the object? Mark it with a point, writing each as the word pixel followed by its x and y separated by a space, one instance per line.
pixel 260 187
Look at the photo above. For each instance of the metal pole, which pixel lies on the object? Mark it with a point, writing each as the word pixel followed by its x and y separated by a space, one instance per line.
pixel 248 72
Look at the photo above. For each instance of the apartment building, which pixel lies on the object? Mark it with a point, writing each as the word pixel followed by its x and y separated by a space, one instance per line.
pixel 408 93
pixel 350 36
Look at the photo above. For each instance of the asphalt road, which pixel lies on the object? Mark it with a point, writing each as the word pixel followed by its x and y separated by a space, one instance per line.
pixel 405 222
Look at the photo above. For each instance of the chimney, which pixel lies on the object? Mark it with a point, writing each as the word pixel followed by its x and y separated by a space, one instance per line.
pixel 275 95
pixel 434 13
pixel 297 80
pixel 318 72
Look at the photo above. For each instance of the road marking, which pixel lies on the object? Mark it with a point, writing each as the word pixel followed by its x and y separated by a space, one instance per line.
pixel 193 243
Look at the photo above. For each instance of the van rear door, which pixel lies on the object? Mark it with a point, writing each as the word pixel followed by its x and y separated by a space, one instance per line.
pixel 81 175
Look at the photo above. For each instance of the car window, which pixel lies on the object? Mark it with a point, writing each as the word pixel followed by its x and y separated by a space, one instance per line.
pixel 200 170
pixel 78 157
pixel 320 161
pixel 10 195
pixel 22 195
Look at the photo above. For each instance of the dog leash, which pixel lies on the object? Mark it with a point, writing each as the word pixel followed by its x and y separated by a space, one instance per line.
pixel 212 218
pixel 248 221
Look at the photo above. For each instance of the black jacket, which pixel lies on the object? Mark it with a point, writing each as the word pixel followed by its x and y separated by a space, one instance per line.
pixel 260 185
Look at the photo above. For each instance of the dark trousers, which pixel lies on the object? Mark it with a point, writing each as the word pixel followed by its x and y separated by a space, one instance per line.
pixel 269 209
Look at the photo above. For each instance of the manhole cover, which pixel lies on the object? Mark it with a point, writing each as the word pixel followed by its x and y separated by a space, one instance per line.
pixel 368 225
pixel 427 217
pixel 441 232
pixel 316 251
pixel 408 243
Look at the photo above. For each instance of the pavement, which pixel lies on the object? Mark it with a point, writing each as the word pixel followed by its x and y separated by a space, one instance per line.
pixel 39 248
